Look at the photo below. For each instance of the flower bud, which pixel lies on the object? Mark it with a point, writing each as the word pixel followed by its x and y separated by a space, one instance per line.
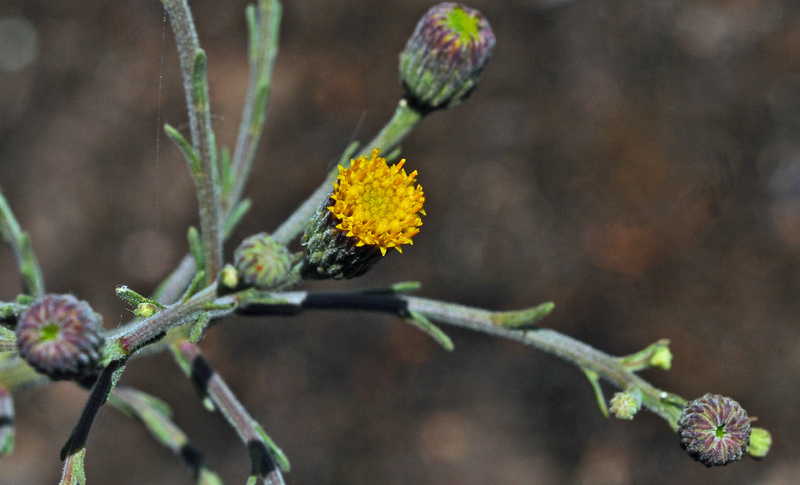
pixel 760 442
pixel 263 262
pixel 146 309
pixel 624 405
pixel 60 336
pixel 661 358
pixel 715 430
pixel 229 277
pixel 445 56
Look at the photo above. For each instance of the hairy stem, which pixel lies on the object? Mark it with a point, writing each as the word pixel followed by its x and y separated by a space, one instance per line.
pixel 195 84
pixel 127 340
pixel 264 25
pixel 587 358
pixel 268 460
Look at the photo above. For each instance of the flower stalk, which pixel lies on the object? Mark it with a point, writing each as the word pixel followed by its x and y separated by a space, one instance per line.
pixel 404 120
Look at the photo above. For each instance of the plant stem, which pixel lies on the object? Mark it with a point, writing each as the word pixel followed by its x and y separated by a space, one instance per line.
pixel 127 340
pixel 567 348
pixel 404 120
pixel 587 358
pixel 20 244
pixel 7 431
pixel 155 415
pixel 264 23
pixel 195 84
pixel 268 459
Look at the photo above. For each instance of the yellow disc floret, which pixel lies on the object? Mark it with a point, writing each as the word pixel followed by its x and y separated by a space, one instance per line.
pixel 377 204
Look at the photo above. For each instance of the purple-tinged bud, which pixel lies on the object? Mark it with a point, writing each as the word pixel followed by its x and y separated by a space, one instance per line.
pixel 445 56
pixel 715 430
pixel 263 262
pixel 61 337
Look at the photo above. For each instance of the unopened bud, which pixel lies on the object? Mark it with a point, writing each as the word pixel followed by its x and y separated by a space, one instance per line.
pixel 760 442
pixel 60 336
pixel 263 262
pixel 715 430
pixel 445 56
pixel 624 405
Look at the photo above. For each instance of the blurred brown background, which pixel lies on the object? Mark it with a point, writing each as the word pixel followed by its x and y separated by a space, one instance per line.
pixel 637 162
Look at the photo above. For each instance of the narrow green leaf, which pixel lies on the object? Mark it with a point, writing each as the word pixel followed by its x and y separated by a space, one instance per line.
pixel 655 356
pixel 523 319
pixel 134 299
pixel 196 247
pixel 400 288
pixel 199 80
pixel 199 327
pixel 260 101
pixel 252 34
pixel 188 152
pixel 422 323
pixel 277 455
pixel 208 477
pixel 225 173
pixel 194 285
pixel 594 380
pixel 20 244
pixel 236 216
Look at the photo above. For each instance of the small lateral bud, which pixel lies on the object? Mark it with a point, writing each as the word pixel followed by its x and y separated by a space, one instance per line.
pixel 624 405
pixel 263 262
pixel 229 276
pixel 760 442
pixel 661 358
pixel 145 310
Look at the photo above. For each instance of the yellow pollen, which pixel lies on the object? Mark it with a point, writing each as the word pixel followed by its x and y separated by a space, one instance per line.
pixel 376 203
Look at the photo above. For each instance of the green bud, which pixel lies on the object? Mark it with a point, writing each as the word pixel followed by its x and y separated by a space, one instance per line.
pixel 145 310
pixel 760 442
pixel 263 262
pixel 661 358
pixel 624 405
pixel 330 253
pixel 229 276
pixel 445 56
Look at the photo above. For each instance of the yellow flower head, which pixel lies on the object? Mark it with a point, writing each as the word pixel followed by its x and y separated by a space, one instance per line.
pixel 377 204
